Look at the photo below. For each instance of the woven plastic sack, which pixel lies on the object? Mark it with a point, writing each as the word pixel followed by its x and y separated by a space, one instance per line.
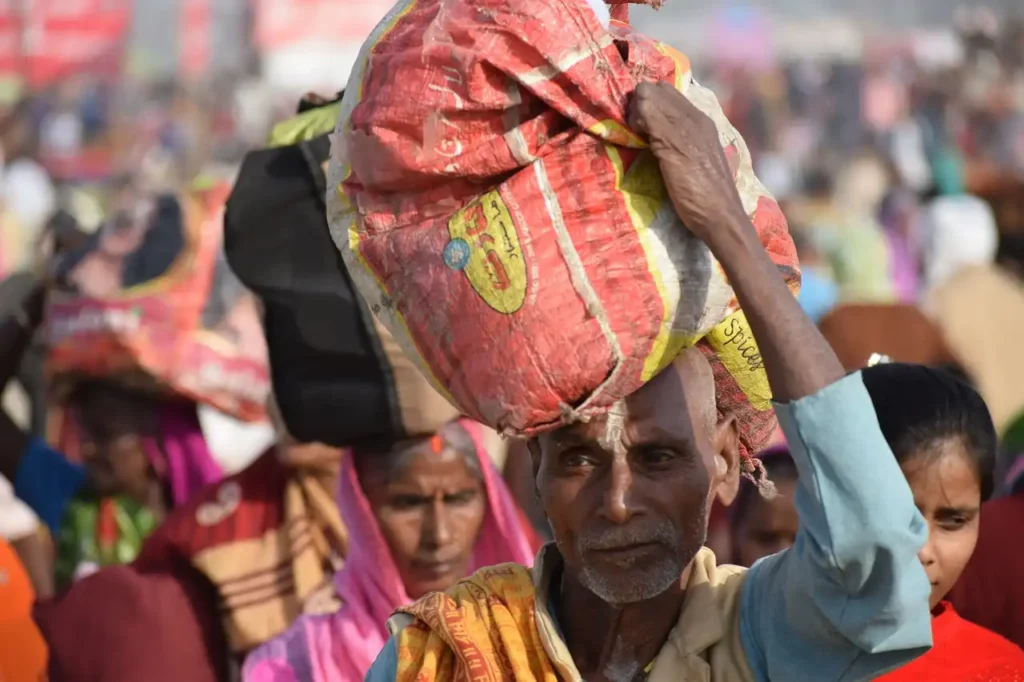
pixel 510 230
pixel 150 303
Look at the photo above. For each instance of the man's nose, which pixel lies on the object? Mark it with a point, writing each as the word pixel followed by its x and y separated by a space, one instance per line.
pixel 617 506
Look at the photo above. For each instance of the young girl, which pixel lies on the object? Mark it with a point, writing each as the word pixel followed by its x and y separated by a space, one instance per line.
pixel 942 435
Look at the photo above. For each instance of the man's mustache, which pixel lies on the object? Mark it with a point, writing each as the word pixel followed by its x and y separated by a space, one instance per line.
pixel 616 537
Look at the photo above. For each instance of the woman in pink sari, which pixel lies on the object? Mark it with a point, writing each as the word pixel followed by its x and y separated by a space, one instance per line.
pixel 420 517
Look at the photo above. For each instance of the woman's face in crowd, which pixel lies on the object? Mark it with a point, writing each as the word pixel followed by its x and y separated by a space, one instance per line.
pixel 430 511
pixel 947 491
pixel 767 526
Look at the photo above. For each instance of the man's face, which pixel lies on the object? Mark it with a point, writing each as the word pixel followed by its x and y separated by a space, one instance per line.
pixel 627 496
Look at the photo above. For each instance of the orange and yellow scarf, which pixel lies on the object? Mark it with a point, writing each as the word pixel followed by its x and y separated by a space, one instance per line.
pixel 485 627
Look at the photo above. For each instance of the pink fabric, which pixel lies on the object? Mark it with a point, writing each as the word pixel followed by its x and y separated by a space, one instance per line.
pixel 342 646
pixel 181 456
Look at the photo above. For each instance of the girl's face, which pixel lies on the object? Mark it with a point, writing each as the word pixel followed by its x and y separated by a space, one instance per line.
pixel 947 491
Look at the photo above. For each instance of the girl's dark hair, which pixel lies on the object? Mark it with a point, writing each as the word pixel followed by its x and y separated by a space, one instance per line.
pixel 778 466
pixel 920 406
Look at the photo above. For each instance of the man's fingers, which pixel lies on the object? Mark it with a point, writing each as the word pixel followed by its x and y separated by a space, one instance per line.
pixel 640 108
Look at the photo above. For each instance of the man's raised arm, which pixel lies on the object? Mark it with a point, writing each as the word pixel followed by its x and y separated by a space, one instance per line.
pixel 850 600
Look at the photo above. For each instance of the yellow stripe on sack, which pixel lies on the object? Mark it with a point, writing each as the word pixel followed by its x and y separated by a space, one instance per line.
pixel 644 194
pixel 683 66
pixel 354 242
pixel 736 347
pixel 613 131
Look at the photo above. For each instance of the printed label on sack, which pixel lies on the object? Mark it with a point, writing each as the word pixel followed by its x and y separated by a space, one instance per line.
pixel 485 246
pixel 734 343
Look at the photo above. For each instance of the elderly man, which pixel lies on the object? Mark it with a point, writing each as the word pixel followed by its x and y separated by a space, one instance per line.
pixel 627 591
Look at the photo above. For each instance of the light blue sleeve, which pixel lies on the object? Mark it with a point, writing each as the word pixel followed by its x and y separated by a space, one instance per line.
pixel 849 600
pixel 385 668
pixel 46 481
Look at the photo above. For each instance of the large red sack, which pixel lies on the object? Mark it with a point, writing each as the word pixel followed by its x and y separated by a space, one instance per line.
pixel 511 231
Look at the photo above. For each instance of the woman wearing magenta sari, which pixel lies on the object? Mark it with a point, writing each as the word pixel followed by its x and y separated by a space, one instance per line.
pixel 420 516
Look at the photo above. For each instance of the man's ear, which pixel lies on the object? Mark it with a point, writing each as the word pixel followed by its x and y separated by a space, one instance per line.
pixel 727 459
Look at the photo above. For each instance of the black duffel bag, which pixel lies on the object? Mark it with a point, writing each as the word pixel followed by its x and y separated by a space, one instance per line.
pixel 338 377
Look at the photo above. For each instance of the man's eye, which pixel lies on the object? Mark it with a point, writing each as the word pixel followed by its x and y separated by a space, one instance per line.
pixel 577 460
pixel 658 456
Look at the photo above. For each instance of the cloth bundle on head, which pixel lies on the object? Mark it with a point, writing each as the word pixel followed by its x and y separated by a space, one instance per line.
pixel 857 331
pixel 980 309
pixel 340 647
pixel 960 231
pixel 149 302
pixel 528 299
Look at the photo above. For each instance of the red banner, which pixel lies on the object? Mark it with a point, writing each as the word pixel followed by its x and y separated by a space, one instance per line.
pixel 46 40
pixel 10 37
pixel 285 22
pixel 196 37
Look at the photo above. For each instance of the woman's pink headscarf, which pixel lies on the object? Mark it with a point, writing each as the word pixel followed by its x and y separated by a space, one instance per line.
pixel 180 454
pixel 341 647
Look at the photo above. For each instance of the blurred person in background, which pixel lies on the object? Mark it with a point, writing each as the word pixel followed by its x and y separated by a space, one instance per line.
pixel 765 525
pixel 25 397
pixel 147 453
pixel 23 652
pixel 901 220
pixel 990 592
pixel 840 217
pixel 26 190
pixel 224 573
pixel 819 292
pixel 977 304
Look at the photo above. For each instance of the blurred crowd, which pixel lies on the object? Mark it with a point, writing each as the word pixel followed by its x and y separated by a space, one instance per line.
pixel 901 176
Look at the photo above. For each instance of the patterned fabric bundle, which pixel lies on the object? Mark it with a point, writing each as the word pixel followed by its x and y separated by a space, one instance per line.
pixel 150 302
pixel 268 539
pixel 511 232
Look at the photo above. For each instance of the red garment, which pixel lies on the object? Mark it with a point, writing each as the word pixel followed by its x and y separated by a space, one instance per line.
pixel 162 619
pixel 120 625
pixel 963 652
pixel 991 590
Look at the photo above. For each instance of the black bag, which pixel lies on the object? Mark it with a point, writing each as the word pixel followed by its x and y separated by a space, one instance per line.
pixel 336 379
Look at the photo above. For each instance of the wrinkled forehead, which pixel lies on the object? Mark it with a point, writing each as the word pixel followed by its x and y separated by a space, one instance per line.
pixel 679 403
